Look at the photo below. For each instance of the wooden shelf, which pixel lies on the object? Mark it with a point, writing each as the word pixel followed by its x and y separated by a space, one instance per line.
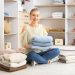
pixel 9 0
pixel 68 47
pixel 71 32
pixel 9 34
pixel 52 18
pixel 9 17
pixel 71 18
pixel 51 5
pixel 9 12
pixel 71 5
pixel 57 32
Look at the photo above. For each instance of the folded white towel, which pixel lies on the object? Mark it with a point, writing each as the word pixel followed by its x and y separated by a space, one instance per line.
pixel 14 57
pixel 7 51
pixel 6 63
pixel 18 64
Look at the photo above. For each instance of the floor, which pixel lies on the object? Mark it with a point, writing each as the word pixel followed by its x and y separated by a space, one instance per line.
pixel 48 69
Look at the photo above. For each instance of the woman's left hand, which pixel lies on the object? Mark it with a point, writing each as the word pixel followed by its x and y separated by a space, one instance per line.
pixel 21 50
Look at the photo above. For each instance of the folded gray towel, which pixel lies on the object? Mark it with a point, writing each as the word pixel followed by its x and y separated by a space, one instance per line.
pixel 42 44
pixel 42 39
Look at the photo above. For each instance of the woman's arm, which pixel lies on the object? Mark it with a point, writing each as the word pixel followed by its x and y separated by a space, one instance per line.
pixel 24 38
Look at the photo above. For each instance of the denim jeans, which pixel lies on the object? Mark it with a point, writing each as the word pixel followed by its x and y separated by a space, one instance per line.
pixel 43 57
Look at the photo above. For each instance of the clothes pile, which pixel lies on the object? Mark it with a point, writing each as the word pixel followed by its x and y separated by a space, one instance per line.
pixel 41 43
pixel 11 59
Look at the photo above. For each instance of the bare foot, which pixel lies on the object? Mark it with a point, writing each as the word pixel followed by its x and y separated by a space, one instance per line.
pixel 49 61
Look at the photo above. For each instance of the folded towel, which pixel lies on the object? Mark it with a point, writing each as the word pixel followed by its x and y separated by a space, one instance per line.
pixel 18 64
pixel 6 14
pixel 42 39
pixel 42 44
pixel 14 57
pixel 8 64
pixel 38 49
pixel 7 51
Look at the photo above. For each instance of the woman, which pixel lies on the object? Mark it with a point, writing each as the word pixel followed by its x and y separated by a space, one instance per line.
pixel 36 29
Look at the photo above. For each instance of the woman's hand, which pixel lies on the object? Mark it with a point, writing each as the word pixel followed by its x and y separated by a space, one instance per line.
pixel 23 29
pixel 27 46
pixel 21 50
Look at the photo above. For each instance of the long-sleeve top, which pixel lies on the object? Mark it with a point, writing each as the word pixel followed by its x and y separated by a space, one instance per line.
pixel 30 32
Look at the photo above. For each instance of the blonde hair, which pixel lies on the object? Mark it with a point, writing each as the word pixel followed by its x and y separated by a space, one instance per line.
pixel 34 9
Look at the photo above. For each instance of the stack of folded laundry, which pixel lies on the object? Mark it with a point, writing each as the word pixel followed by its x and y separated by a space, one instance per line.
pixel 13 59
pixel 42 43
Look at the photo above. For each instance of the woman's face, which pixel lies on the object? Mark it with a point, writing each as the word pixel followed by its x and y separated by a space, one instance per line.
pixel 35 16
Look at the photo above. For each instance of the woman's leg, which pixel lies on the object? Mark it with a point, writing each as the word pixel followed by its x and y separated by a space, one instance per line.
pixel 32 56
pixel 50 54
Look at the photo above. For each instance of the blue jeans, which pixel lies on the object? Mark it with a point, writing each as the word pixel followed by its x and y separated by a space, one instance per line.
pixel 43 57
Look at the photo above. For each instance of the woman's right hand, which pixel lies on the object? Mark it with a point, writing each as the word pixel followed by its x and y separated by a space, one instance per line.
pixel 27 46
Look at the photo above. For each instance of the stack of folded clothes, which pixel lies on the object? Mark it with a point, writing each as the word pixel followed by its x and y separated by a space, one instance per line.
pixel 42 43
pixel 12 61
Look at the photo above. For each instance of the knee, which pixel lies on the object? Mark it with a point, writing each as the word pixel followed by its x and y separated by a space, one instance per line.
pixel 57 51
pixel 31 54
